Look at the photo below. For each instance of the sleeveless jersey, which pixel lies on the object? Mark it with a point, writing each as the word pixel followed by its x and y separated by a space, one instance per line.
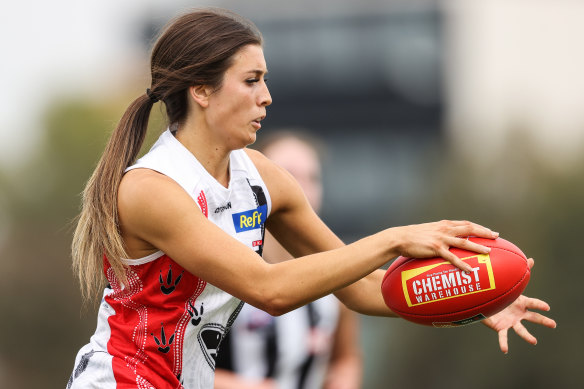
pixel 164 328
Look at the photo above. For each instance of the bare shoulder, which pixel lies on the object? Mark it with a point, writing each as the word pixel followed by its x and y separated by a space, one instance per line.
pixel 144 184
pixel 148 199
pixel 137 176
pixel 271 173
pixel 261 162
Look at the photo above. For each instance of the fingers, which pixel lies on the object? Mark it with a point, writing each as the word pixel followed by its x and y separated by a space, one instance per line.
pixel 530 263
pixel 466 244
pixel 503 343
pixel 524 334
pixel 435 239
pixel 540 319
pixel 521 331
pixel 453 259
pixel 537 318
pixel 534 303
pixel 534 317
pixel 461 230
pixel 466 228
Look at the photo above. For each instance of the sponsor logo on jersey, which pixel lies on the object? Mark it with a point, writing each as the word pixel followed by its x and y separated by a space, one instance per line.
pixel 250 220
pixel 441 281
pixel 223 208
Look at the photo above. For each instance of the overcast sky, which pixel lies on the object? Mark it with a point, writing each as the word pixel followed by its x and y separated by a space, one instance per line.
pixel 51 48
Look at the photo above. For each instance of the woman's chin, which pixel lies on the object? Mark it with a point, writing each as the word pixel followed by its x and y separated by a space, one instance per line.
pixel 252 138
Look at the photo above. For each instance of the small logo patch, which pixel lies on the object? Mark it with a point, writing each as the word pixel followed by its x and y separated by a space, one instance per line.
pixel 202 200
pixel 223 207
pixel 210 336
pixel 250 220
pixel 460 323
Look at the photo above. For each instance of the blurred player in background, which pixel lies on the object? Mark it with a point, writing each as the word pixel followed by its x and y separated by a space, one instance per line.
pixel 315 346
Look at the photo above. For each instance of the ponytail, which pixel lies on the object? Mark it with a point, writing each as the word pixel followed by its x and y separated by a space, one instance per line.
pixel 194 49
pixel 97 233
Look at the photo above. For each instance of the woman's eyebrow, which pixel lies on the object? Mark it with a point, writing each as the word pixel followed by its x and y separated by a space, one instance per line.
pixel 257 72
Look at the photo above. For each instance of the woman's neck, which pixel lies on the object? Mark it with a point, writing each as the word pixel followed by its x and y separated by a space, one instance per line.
pixel 210 153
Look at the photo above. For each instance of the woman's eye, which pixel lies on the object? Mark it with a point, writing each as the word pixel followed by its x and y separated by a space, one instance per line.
pixel 254 80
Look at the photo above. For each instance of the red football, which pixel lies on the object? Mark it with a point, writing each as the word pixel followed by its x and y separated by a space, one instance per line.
pixel 434 292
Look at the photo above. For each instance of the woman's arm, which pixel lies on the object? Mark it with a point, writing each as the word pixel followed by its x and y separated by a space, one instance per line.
pixel 297 227
pixel 155 213
pixel 155 210
pixel 294 222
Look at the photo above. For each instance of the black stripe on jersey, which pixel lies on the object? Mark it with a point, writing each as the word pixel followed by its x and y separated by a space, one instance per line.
pixel 224 359
pixel 260 198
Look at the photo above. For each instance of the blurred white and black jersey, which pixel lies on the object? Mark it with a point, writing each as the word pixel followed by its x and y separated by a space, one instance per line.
pixel 294 349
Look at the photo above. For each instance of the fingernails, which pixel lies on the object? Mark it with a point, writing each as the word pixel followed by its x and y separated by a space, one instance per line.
pixel 494 234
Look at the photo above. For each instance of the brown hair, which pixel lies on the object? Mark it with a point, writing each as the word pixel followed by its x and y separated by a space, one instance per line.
pixel 194 49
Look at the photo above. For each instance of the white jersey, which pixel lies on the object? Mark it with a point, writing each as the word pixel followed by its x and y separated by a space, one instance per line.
pixel 164 328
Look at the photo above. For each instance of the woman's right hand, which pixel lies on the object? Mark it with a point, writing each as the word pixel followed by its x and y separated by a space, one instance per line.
pixel 435 239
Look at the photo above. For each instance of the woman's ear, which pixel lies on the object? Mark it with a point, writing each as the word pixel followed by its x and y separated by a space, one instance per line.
pixel 200 93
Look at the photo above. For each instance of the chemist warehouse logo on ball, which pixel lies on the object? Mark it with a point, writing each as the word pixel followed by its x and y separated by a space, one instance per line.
pixel 441 281
pixel 250 220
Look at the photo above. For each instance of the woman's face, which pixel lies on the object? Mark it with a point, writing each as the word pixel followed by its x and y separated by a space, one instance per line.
pixel 236 109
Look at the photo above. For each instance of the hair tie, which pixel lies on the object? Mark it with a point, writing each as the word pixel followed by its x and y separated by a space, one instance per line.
pixel 152 96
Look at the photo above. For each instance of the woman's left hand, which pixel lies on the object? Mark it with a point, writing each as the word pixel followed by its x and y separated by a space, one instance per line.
pixel 511 317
